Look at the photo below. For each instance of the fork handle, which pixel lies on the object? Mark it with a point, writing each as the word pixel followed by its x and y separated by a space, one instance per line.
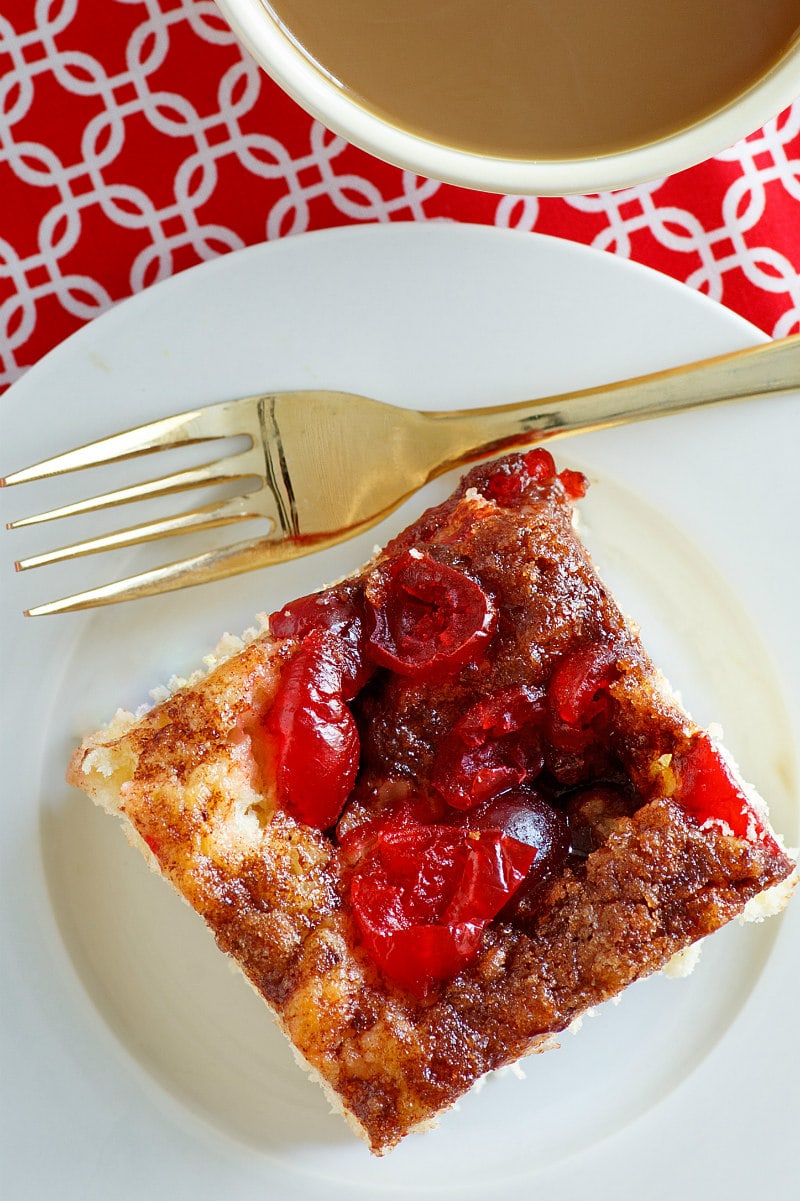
pixel 758 371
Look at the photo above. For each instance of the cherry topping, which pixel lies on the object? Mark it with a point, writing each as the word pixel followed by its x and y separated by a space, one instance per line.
pixel 337 610
pixel 575 483
pixel 540 465
pixel 317 745
pixel 505 487
pixel 423 895
pixel 514 473
pixel 578 682
pixel 708 791
pixel 494 746
pixel 507 484
pixel 427 618
pixel 577 696
pixel 525 815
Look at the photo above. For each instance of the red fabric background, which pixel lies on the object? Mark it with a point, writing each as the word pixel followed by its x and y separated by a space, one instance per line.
pixel 137 138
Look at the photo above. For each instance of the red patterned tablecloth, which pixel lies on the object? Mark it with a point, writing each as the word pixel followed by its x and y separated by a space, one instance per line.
pixel 138 138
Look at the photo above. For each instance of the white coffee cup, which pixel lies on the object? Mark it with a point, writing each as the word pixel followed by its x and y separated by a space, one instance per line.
pixel 336 108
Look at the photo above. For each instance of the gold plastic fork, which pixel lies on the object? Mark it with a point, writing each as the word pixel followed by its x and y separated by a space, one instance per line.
pixel 324 466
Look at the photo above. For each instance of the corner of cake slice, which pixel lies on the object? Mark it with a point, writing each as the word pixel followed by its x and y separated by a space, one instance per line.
pixel 440 810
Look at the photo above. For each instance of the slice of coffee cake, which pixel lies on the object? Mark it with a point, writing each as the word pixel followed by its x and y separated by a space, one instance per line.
pixel 438 811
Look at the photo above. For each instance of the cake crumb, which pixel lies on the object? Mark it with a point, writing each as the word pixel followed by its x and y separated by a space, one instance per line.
pixel 683 962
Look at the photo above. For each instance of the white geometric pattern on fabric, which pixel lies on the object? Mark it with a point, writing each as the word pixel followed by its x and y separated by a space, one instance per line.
pixel 81 180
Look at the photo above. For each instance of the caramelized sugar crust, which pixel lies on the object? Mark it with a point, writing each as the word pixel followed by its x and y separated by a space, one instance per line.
pixel 275 892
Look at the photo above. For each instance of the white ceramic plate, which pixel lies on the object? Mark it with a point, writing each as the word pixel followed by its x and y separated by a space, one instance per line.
pixel 134 1062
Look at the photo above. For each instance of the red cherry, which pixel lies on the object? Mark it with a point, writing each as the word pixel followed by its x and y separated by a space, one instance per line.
pixel 423 895
pixel 415 955
pixel 494 746
pixel 575 483
pixel 526 816
pixel 708 791
pixel 357 840
pixel 578 693
pixel 427 618
pixel 317 745
pixel 338 610
pixel 539 465
pixel 506 485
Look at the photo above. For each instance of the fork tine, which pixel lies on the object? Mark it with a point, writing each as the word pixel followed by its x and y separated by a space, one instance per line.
pixel 205 518
pixel 219 564
pixel 195 425
pixel 221 471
